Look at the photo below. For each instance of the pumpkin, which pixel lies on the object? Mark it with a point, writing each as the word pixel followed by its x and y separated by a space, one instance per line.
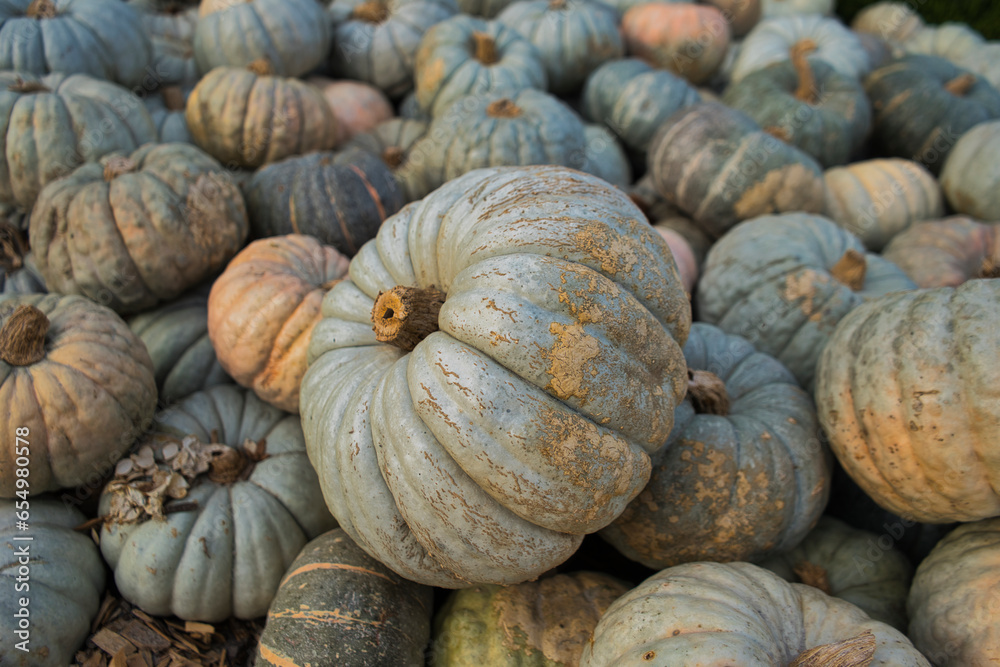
pixel 719 167
pixel 409 109
pixel 464 55
pixel 985 62
pixel 835 558
pixel 771 8
pixel 357 107
pixel 336 602
pixel 132 232
pixel 892 21
pixel 392 141
pixel 947 252
pixel 292 35
pixel 210 509
pixel 78 380
pixel 73 119
pixel 951 41
pixel 741 15
pixel 58 575
pixel 740 614
pixel 376 41
pixel 696 240
pixel 686 39
pixel 970 176
pixel 456 489
pixel 249 117
pixel 573 37
pixel 25 279
pixel 923 104
pixel 771 41
pixel 171 29
pixel 176 337
pixel 634 100
pixel 166 108
pixel 878 199
pixel 742 474
pixel 545 622
pixel 953 601
pixel 338 198
pixel 100 38
pixel 486 9
pixel 604 156
pixel 909 404
pixel 784 281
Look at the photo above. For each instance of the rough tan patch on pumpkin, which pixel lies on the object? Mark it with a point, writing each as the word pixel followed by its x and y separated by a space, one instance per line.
pixel 568 360
pixel 785 189
pixel 803 286
pixel 613 252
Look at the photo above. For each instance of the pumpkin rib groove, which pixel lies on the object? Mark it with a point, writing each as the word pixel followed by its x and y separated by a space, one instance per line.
pixel 115 228
pixel 79 372
pixel 721 181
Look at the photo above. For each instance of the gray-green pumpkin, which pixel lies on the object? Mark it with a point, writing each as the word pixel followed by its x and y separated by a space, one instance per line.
pixel 743 474
pixel 604 156
pixel 57 571
pixel 971 175
pixel 23 280
pixel 171 27
pixel 166 107
pixel 783 282
pixel 212 506
pixel 337 603
pixel 392 140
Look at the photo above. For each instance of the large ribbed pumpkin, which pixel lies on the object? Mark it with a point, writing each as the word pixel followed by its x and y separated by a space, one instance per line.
pixel 742 475
pixel 907 393
pixel 686 39
pixel 544 320
pixel 971 174
pixel 947 252
pixel 73 374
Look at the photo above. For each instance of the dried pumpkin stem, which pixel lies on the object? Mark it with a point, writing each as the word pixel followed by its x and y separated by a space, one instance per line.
pixel 11 248
pixel 557 4
pixel 707 393
pixel 27 87
pixel 372 11
pixel 173 98
pixel 806 92
pixel 989 269
pixel 394 156
pixel 813 575
pixel 858 651
pixel 961 84
pixel 504 108
pixel 778 133
pixel 404 316
pixel 851 269
pixel 118 165
pixel 261 67
pixel 22 338
pixel 485 48
pixel 227 467
pixel 41 9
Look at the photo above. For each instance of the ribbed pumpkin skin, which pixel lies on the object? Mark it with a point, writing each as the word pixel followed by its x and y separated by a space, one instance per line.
pixel 604 157
pixel 262 310
pixel 572 450
pixel 25 280
pixel 294 35
pixel 573 37
pixel 392 141
pixel 338 198
pixel 742 15
pixel 176 337
pixel 171 33
pixel 337 603
pixel 951 41
pixel 916 117
pixel 143 237
pixel 769 280
pixel 686 39
pixel 731 614
pixel 734 487
pixel 100 38
pixel 953 599
pixel 46 135
pixel 64 586
pixel 717 166
pixel 634 100
pixel 542 623
pixel 383 54
pixel 246 120
pixel 971 175
pixel 907 395
pixel 196 564
pixel 84 403
pixel 877 199
pixel 358 107
pixel 877 586
pixel 171 125
pixel 945 253
pixel 446 67
pixel 892 21
pixel 832 127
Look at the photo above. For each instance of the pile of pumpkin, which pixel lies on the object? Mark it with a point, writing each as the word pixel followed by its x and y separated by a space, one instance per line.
pixel 501 332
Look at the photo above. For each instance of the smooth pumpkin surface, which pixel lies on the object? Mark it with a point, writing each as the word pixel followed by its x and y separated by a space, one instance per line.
pixel 687 39
pixel 337 603
pixel 605 157
pixel 947 252
pixel 907 393
pixel 358 107
pixel 529 403
pixel 971 176
pixel 892 21
pixel 84 389
pixel 742 15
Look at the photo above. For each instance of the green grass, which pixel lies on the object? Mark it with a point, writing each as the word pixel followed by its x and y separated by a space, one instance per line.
pixel 981 15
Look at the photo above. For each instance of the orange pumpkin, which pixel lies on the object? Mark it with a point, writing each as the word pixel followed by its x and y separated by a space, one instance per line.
pixel 686 39
pixel 358 107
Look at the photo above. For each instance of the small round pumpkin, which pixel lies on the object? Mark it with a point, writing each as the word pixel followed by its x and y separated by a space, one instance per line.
pixel 892 21
pixel 686 39
pixel 742 15
pixel 970 177
pixel 358 107
pixel 693 236
pixel 947 252
pixel 73 374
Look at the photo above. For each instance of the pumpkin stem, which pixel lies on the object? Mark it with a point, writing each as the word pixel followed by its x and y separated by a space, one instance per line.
pixel 857 651
pixel 779 133
pixel 394 157
pixel 173 98
pixel 503 109
pixel 22 86
pixel 850 269
pixel 22 338
pixel 557 4
pixel 990 268
pixel 330 284
pixel 485 48
pixel 372 11
pixel 806 92
pixel 117 165
pixel 41 9
pixel 261 67
pixel 813 575
pixel 404 316
pixel 961 84
pixel 12 248
pixel 227 466
pixel 707 393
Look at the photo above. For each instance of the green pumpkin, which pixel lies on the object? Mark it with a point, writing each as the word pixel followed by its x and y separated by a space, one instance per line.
pixel 63 585
pixel 336 603
pixel 171 29
pixel 240 521
pixel 543 623
pixel 604 156
pixel 526 419
pixel 971 176
pixel 742 474
pixel 783 282
pixel 486 9
pixel 376 41
pixel 166 108
pixel 392 140
pixel 20 272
